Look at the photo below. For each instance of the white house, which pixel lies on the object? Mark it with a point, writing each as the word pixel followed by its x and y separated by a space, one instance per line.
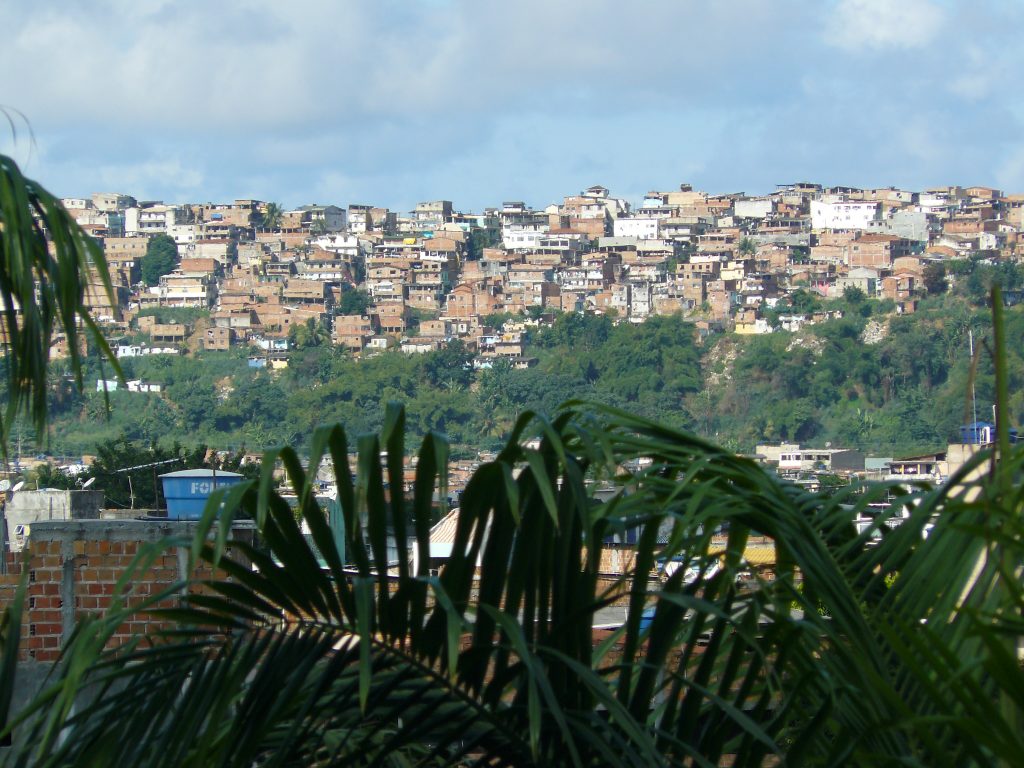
pixel 344 244
pixel 642 228
pixel 516 239
pixel 752 208
pixel 792 323
pixel 153 219
pixel 132 350
pixel 842 214
pixel 183 234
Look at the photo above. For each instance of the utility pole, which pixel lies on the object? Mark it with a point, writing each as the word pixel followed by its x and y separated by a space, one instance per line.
pixel 129 470
pixel 974 396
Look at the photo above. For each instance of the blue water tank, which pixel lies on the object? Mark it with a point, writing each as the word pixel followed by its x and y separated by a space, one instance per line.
pixel 186 491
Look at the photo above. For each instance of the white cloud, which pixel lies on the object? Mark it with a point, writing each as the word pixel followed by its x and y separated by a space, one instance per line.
pixel 167 173
pixel 1009 174
pixel 921 141
pixel 983 71
pixel 973 86
pixel 258 63
pixel 158 178
pixel 857 25
pixel 394 101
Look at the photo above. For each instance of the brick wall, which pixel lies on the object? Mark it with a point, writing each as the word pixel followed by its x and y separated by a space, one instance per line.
pixel 73 569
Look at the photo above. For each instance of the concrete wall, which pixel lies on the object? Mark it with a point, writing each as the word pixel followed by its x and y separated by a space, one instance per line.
pixel 26 508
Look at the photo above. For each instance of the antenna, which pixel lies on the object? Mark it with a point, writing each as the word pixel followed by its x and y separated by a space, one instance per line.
pixel 18 486
pixel 88 482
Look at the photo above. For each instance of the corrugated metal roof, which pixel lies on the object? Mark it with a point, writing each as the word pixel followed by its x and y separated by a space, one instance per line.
pixel 443 531
pixel 754 554
pixel 760 555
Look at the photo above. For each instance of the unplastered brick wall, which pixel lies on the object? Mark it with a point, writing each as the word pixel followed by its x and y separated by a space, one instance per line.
pixel 74 568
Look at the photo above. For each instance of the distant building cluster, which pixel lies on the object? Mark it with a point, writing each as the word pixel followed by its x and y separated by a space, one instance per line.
pixel 726 262
pixel 805 465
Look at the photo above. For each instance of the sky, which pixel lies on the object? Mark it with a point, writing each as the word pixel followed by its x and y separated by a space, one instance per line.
pixel 396 101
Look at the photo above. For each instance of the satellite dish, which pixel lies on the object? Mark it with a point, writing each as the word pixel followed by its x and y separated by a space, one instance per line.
pixel 88 482
pixel 18 485
pixel 5 485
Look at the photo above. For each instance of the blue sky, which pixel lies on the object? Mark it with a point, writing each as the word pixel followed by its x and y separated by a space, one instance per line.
pixel 396 101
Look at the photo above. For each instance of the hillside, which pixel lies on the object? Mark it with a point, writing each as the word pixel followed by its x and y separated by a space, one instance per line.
pixel 871 379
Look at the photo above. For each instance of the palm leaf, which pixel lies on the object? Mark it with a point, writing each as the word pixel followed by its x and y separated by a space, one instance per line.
pixel 46 261
pixel 283 661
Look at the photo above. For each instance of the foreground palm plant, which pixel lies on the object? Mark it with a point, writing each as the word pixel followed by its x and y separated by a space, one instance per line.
pixel 47 263
pixel 288 659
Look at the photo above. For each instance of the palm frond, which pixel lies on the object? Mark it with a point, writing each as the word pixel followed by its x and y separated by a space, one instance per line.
pixel 46 263
pixel 285 660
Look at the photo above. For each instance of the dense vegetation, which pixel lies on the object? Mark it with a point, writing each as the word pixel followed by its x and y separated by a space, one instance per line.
pixel 907 391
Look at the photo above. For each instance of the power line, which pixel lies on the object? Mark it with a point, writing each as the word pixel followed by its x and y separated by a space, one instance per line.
pixel 146 466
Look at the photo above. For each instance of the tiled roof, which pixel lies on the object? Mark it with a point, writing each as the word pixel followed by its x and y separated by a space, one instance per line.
pixel 443 531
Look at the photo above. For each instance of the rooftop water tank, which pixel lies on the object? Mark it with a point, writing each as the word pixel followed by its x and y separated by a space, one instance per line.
pixel 186 491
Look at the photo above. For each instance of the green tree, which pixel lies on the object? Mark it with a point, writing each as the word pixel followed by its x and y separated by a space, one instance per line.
pixel 161 257
pixel 353 301
pixel 935 278
pixel 48 476
pixel 580 332
pixel 450 366
pixel 128 471
pixel 747 248
pixel 258 399
pixel 804 302
pixel 959 267
pixel 310 334
pixel 853 295
pixel 497 320
pixel 478 239
pixel 977 275
pixel 271 216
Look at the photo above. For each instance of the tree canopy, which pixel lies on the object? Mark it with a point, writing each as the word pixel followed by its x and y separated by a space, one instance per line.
pixel 270 218
pixel 161 257
pixel 353 301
